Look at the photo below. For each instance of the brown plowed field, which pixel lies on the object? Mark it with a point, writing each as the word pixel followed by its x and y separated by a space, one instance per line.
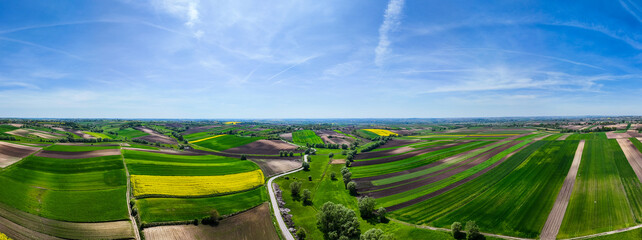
pixel 276 166
pixel 633 155
pixel 250 225
pixel 77 155
pixel 554 220
pixel 390 152
pixel 286 136
pixel 82 134
pixel 333 137
pixel 199 129
pixel 454 185
pixel 196 152
pixel 450 171
pixel 155 137
pixel 406 155
pixel 267 147
pixel 24 132
pixel 11 153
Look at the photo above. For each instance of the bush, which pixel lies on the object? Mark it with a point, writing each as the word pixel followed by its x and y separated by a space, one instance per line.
pixel 473 231
pixel 333 176
pixel 295 188
pixel 301 233
pixel 344 170
pixel 306 166
pixel 307 197
pixel 455 229
pixel 243 157
pixel 352 188
pixel 347 177
pixel 331 155
pixel 213 219
pixel 336 221
pixel 381 214
pixel 375 234
pixel 367 207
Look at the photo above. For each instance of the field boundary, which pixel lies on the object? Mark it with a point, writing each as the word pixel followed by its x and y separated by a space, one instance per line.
pixel 554 221
pixel 128 196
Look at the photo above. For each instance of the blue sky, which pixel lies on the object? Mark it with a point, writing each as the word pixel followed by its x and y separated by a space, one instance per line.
pixel 319 59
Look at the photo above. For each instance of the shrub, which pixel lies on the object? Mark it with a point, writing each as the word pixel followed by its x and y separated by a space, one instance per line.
pixel 301 233
pixel 306 166
pixel 455 229
pixel 212 219
pixel 352 188
pixel 473 231
pixel 347 177
pixel 243 157
pixel 333 176
pixel 381 214
pixel 295 188
pixel 307 197
pixel 331 155
pixel 375 234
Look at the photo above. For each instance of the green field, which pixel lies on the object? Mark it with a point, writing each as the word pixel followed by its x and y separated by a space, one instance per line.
pixel 185 209
pixel 606 191
pixel 367 134
pixel 141 146
pixel 586 136
pixel 431 209
pixel 413 162
pixel 304 137
pixel 98 135
pixel 77 190
pixel 7 128
pixel 69 148
pixel 519 204
pixel 145 163
pixel 339 131
pixel 226 142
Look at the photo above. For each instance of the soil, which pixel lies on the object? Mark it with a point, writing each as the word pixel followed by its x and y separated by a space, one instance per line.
pixel 82 134
pixel 406 155
pixel 563 137
pixel 554 221
pixel 155 137
pixel 11 153
pixel 633 155
pixel 267 147
pixel 25 132
pixel 250 225
pixel 199 129
pixel 384 153
pixel 77 155
pixel 454 185
pixel 286 136
pixel 450 171
pixel 196 152
pixel 276 166
pixel 338 161
pixel 333 137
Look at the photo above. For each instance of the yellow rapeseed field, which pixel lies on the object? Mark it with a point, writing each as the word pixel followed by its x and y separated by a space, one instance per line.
pixel 4 237
pixel 232 123
pixel 381 132
pixel 195 185
pixel 207 138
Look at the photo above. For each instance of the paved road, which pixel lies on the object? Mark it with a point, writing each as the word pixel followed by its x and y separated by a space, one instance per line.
pixel 275 205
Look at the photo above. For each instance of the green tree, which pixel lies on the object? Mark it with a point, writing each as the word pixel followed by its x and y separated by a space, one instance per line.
pixel 381 214
pixel 473 231
pixel 307 197
pixel 344 170
pixel 333 176
pixel 347 177
pixel 331 155
pixel 367 206
pixel 336 221
pixel 243 157
pixel 375 234
pixel 455 229
pixel 352 188
pixel 301 233
pixel 295 188
pixel 306 166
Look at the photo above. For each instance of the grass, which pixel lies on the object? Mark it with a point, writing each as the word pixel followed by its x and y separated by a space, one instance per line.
pixel 7 128
pixel 70 148
pixel 553 137
pixel 586 136
pixel 606 191
pixel 131 133
pixel 519 204
pixel 184 209
pixel 226 142
pixel 431 209
pixel 76 190
pixel 637 143
pixel 413 162
pixel 98 135
pixel 304 137
pixel 635 234
pixel 141 146
pixel 146 167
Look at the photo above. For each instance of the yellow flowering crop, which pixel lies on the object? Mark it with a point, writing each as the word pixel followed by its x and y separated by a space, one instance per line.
pixel 4 237
pixel 232 123
pixel 381 132
pixel 195 185
pixel 207 138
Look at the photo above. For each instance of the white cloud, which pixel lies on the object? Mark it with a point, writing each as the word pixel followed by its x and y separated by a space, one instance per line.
pixel 184 9
pixel 391 19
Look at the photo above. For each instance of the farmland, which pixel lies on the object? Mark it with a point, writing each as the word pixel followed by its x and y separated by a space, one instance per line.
pixel 146 185
pixel 304 137
pixel 381 132
pixel 224 142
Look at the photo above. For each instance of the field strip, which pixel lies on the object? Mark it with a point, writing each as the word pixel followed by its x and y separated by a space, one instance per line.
pixel 563 137
pixel 275 205
pixel 78 155
pixel 554 221
pixel 606 233
pixel 127 195
pixel 633 155
pixel 18 232
pixel 207 138
pixel 448 230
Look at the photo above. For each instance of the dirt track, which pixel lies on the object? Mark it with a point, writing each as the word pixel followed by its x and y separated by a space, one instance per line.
pixel 11 153
pixel 252 224
pixel 454 185
pixel 563 137
pixel 268 147
pixel 394 188
pixel 406 155
pixel 77 155
pixel 554 221
pixel 633 155
pixel 276 166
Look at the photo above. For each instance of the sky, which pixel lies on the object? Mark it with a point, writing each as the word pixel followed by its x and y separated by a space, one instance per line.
pixel 319 59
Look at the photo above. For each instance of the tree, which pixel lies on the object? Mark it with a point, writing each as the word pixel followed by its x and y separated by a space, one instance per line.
pixel 212 219
pixel 331 155
pixel 347 177
pixel 473 231
pixel 333 176
pixel 243 157
pixel 306 166
pixel 291 154
pixel 352 188
pixel 307 197
pixel 381 214
pixel 295 188
pixel 375 234
pixel 367 206
pixel 344 170
pixel 348 164
pixel 455 229
pixel 301 233
pixel 336 221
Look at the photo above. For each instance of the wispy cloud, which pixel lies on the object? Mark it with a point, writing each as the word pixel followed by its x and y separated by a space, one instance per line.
pixel 391 19
pixel 290 67
pixel 41 47
pixel 633 9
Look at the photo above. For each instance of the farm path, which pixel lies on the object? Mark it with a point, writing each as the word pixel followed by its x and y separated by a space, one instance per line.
pixel 606 233
pixel 633 155
pixel 554 221
pixel 129 209
pixel 275 205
